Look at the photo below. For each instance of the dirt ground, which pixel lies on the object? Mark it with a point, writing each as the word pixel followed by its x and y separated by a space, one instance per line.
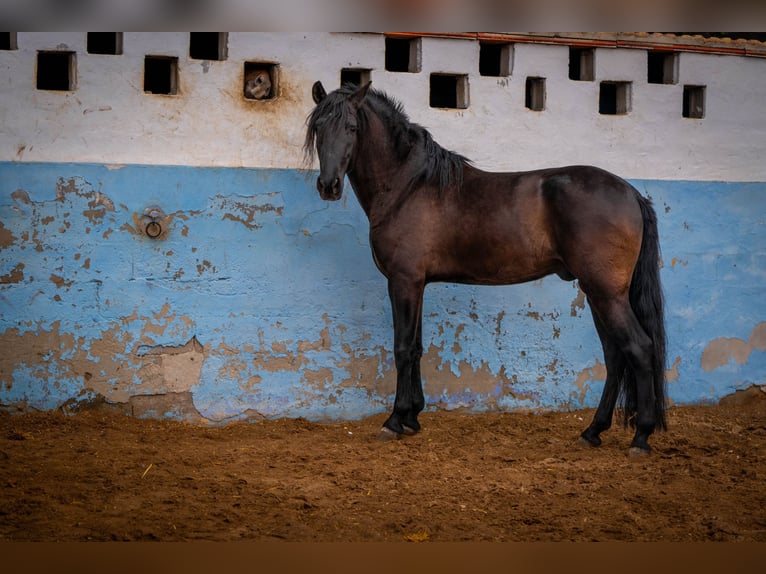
pixel 98 475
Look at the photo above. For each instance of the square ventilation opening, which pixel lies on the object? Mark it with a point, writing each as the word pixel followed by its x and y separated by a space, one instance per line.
pixel 8 41
pixel 495 59
pixel 355 76
pixel 161 75
pixel 614 98
pixel 109 43
pixel 662 67
pixel 581 64
pixel 261 80
pixel 694 102
pixel 56 71
pixel 448 91
pixel 534 94
pixel 403 54
pixel 208 45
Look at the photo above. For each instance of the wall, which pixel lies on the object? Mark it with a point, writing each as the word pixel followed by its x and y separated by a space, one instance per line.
pixel 260 300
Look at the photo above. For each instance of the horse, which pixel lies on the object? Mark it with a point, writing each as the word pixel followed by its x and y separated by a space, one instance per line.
pixel 435 217
pixel 257 84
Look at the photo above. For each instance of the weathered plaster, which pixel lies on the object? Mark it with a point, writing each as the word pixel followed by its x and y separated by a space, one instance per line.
pixel 279 310
pixel 722 350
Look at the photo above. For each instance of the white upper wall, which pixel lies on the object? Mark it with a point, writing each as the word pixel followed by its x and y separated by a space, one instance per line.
pixel 108 118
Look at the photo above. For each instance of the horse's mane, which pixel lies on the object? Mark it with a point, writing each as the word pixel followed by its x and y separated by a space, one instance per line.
pixel 440 166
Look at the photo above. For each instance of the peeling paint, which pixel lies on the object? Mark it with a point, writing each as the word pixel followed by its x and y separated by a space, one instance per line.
pixel 578 303
pixel 6 237
pixel 244 211
pixel 171 369
pixel 15 276
pixel 722 350
pixel 672 375
pixel 246 317
pixel 595 373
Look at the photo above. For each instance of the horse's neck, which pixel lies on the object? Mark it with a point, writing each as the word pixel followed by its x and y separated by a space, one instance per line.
pixel 378 175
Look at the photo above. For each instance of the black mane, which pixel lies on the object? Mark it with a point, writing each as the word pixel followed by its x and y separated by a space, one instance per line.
pixel 441 167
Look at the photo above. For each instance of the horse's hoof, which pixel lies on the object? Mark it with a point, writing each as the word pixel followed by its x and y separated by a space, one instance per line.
pixel 408 430
pixel 638 452
pixel 386 434
pixel 582 441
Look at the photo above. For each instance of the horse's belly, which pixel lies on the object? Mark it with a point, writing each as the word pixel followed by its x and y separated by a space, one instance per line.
pixel 480 271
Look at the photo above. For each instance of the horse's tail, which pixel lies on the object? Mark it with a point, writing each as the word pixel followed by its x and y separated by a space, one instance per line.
pixel 646 300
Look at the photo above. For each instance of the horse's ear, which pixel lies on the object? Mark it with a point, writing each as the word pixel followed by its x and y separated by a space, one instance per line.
pixel 318 92
pixel 358 96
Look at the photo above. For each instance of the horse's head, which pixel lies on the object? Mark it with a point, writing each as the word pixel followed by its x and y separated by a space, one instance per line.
pixel 257 85
pixel 332 127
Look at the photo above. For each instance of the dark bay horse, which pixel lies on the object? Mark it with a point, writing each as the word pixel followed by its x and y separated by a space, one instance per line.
pixel 435 217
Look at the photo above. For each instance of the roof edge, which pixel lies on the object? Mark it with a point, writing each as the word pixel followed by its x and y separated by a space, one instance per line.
pixel 659 41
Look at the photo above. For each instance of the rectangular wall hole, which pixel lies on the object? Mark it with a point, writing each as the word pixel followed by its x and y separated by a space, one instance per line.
pixel 694 102
pixel 161 75
pixel 56 71
pixel 534 94
pixel 261 80
pixel 355 76
pixel 8 41
pixel 662 67
pixel 448 91
pixel 208 45
pixel 403 54
pixel 109 43
pixel 581 64
pixel 614 98
pixel 495 59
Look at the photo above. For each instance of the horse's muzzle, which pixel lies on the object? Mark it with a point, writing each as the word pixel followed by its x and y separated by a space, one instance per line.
pixel 330 191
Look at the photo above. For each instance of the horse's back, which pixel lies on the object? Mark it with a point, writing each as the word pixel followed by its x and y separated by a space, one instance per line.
pixel 557 220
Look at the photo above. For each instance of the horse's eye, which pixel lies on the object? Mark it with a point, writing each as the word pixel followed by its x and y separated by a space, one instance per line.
pixel 352 128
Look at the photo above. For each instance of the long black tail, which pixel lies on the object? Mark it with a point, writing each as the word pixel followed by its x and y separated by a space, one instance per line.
pixel 646 299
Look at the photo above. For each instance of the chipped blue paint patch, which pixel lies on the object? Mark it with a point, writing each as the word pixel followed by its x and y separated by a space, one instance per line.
pixel 262 300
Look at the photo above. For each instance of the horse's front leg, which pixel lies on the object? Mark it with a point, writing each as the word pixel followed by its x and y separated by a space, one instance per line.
pixel 407 307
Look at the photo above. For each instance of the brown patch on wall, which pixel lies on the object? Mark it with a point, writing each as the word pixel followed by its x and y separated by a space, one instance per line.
pixel 671 375
pixel 162 369
pixel 98 205
pixel 365 372
pixel 319 379
pixel 15 276
pixel 722 350
pixel 578 302
pixel 60 282
pixel 277 359
pixel 21 196
pixel 758 337
pixel 31 347
pixel 595 373
pixel 7 238
pixel 499 322
pixel 247 213
pixel 42 350
pixel 110 376
pixel 440 379
pixel 169 369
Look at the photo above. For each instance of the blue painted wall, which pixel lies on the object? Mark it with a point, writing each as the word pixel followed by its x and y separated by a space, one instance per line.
pixel 263 300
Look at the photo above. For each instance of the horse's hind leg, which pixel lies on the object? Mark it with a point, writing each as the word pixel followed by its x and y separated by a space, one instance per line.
pixel 407 306
pixel 615 370
pixel 622 326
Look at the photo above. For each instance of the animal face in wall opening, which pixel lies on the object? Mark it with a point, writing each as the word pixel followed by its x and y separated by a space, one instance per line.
pixel 257 85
